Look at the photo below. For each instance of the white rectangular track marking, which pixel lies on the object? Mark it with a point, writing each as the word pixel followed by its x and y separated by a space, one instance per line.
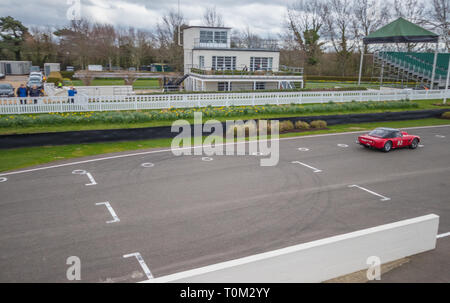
pixel 201 146
pixel 144 266
pixel 91 179
pixel 372 192
pixel 111 211
pixel 316 170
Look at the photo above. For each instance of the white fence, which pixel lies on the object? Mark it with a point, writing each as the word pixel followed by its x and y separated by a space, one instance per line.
pixel 323 259
pixel 140 102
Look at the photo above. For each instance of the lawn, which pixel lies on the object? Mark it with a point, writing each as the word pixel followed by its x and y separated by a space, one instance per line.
pixel 24 157
pixel 334 84
pixel 21 124
pixel 138 84
pixel 314 84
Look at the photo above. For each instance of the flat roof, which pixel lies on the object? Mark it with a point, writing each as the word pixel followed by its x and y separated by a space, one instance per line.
pixel 198 26
pixel 238 49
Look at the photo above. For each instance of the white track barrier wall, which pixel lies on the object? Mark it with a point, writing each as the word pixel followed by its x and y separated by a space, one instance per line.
pixel 141 102
pixel 324 259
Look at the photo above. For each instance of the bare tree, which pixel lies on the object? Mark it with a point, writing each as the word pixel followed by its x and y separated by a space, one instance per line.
pixel 75 41
pixel 40 46
pixel 246 38
pixel 411 10
pixel 104 37
pixel 438 19
pixel 212 18
pixel 339 30
pixel 305 22
pixel 142 48
pixel 167 30
pixel 168 36
pixel 369 15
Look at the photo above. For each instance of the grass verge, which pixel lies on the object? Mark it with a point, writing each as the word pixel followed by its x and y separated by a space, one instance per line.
pixel 41 123
pixel 24 157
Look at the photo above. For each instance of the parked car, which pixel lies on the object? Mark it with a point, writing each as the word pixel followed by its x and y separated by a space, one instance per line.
pixel 2 76
pixel 70 68
pixel 386 139
pixel 36 75
pixel 35 69
pixel 6 90
pixel 35 81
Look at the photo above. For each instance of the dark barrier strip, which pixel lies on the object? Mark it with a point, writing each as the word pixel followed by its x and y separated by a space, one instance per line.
pixel 111 135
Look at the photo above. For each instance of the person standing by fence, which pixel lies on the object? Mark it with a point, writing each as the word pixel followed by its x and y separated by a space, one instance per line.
pixel 22 92
pixel 35 92
pixel 72 92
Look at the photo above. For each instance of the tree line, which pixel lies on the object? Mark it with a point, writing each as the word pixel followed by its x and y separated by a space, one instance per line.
pixel 326 35
pixel 323 36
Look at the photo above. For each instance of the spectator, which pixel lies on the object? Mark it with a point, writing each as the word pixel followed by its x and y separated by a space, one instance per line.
pixel 72 92
pixel 60 85
pixel 35 92
pixel 22 92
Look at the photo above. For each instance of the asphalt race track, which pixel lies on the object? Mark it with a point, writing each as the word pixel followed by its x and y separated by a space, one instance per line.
pixel 181 213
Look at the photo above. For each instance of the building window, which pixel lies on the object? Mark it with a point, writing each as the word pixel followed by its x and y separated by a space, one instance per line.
pixel 260 85
pixel 223 63
pixel 223 86
pixel 206 36
pixel 201 61
pixel 220 37
pixel 261 63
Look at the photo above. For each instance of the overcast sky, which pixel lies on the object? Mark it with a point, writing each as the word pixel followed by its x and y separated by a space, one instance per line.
pixel 264 17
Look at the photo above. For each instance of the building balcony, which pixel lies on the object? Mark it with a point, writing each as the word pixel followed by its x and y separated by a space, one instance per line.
pixel 243 72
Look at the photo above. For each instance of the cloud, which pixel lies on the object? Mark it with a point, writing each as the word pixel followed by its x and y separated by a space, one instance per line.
pixel 264 17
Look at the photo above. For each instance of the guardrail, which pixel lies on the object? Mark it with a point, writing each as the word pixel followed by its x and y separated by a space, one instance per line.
pixel 163 101
pixel 324 259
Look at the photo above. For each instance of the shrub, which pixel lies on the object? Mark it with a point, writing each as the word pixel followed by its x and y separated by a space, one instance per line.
pixel 264 125
pixel 302 125
pixel 245 130
pixel 318 124
pixel 286 125
pixel 66 74
pixel 446 115
pixel 54 80
pixel 55 75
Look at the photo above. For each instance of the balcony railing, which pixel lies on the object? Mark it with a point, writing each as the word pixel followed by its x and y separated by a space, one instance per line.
pixel 245 71
pixel 266 44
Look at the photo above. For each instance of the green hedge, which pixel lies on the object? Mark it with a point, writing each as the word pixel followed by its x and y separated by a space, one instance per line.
pixel 54 80
pixel 68 75
pixel 337 78
pixel 347 78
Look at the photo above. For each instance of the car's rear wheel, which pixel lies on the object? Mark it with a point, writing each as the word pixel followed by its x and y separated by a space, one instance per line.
pixel 387 146
pixel 414 144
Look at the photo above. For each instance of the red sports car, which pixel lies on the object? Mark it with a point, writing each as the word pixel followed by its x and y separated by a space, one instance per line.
pixel 388 138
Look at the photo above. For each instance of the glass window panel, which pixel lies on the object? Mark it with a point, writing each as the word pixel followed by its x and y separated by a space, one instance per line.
pixel 206 36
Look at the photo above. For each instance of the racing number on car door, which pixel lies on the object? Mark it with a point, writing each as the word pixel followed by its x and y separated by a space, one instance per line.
pixel 398 139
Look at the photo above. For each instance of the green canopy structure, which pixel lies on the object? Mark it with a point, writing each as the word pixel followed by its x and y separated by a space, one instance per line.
pixel 401 31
